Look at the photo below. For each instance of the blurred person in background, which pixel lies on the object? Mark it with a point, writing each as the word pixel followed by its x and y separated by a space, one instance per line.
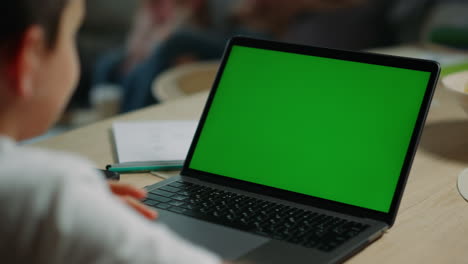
pixel 156 21
pixel 166 33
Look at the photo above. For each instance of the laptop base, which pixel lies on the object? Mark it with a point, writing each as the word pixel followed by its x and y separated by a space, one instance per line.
pixel 233 244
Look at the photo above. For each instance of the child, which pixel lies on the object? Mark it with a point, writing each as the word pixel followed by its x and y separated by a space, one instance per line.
pixel 54 207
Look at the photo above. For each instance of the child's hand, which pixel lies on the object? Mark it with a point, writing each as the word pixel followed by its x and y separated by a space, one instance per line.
pixel 131 196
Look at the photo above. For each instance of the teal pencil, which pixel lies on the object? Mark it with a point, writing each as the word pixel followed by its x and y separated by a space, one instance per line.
pixel 161 167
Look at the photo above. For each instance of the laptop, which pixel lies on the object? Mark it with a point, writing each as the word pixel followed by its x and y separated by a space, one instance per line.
pixel 301 154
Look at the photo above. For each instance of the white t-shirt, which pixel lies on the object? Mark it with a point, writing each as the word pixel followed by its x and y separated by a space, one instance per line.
pixel 55 208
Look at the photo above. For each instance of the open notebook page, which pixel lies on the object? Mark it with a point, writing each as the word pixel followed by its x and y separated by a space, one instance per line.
pixel 153 140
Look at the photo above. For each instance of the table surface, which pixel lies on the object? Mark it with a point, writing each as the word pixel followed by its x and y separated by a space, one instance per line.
pixel 432 223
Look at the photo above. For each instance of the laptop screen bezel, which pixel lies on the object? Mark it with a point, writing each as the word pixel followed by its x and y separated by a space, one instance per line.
pixel 364 57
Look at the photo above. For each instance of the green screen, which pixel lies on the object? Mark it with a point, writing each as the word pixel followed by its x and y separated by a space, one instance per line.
pixel 328 128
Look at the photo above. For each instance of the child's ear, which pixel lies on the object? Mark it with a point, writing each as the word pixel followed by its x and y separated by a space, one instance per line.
pixel 26 62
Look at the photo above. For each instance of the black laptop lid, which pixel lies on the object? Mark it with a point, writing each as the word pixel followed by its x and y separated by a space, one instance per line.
pixel 330 128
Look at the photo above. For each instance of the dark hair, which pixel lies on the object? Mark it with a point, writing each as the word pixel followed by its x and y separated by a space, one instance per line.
pixel 16 16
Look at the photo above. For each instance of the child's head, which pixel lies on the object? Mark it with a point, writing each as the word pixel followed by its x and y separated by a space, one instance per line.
pixel 38 63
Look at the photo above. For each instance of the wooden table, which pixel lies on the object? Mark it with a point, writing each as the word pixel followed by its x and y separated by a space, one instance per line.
pixel 432 224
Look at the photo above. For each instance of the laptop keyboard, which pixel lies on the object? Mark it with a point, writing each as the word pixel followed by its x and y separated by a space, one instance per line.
pixel 269 219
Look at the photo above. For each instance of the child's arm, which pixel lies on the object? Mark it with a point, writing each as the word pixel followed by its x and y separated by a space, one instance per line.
pixel 65 213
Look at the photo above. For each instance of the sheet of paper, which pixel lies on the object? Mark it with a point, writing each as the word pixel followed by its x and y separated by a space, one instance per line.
pixel 153 140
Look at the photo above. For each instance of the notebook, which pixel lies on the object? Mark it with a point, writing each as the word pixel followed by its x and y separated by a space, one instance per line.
pixel 301 154
pixel 153 140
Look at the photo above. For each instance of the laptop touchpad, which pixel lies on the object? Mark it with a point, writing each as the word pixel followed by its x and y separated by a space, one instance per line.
pixel 227 242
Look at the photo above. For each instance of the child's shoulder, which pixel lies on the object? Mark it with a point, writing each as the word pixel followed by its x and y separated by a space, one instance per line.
pixel 34 182
pixel 40 166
